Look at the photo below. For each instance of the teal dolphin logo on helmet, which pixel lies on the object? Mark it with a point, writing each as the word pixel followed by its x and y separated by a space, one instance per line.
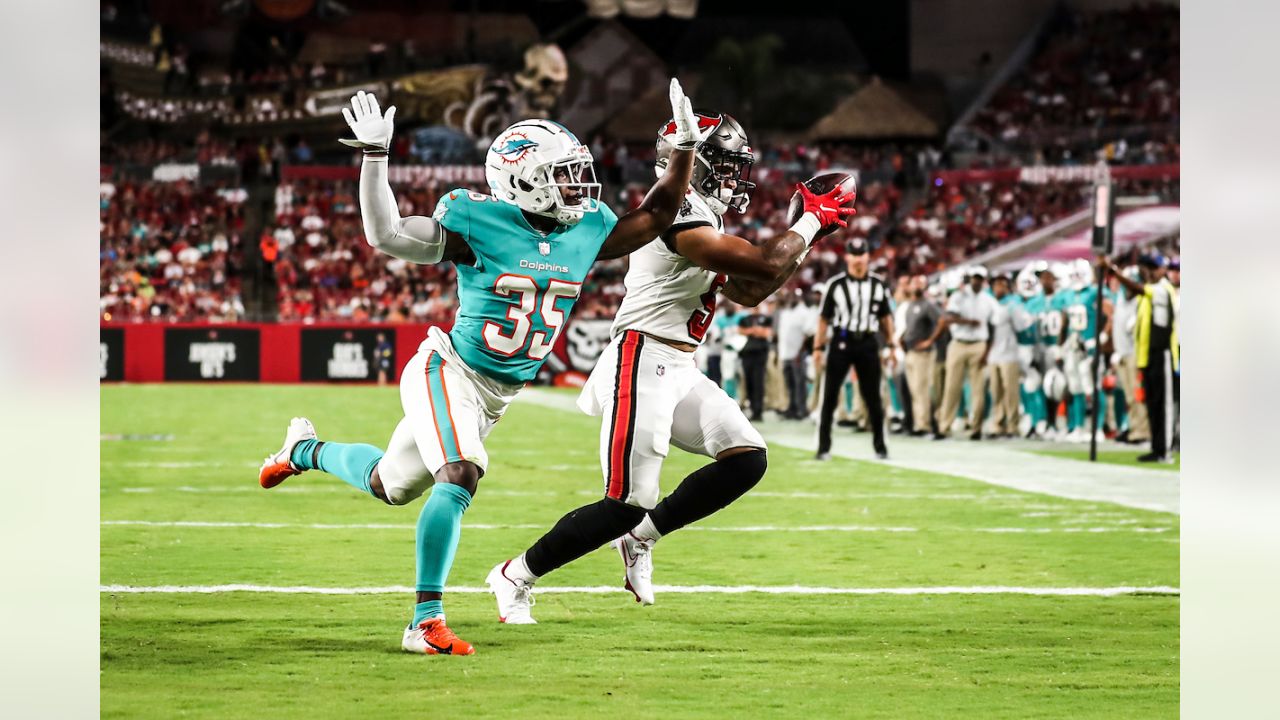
pixel 513 147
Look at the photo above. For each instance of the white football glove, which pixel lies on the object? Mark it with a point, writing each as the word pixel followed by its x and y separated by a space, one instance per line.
pixel 686 136
pixel 371 128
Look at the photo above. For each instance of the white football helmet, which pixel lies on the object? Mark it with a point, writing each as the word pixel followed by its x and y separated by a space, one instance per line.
pixel 531 162
pixel 1055 384
pixel 1061 274
pixel 952 279
pixel 1081 274
pixel 1028 284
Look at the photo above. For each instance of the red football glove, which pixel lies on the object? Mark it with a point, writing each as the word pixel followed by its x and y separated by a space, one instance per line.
pixel 827 208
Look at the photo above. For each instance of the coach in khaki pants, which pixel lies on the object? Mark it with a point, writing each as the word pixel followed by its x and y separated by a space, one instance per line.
pixel 969 314
pixel 921 318
pixel 1003 369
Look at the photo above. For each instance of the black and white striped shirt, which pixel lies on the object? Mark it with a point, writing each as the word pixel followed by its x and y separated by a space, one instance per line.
pixel 855 305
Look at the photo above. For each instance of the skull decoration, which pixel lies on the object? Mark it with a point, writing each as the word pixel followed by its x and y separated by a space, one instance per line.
pixel 543 79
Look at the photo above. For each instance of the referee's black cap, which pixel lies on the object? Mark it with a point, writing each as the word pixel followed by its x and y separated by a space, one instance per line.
pixel 857 246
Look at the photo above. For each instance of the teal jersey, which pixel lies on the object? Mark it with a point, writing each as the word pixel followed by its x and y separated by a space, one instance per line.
pixel 728 320
pixel 1026 336
pixel 1082 313
pixel 1047 311
pixel 516 299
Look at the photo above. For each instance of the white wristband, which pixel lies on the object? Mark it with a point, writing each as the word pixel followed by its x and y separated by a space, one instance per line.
pixel 806 227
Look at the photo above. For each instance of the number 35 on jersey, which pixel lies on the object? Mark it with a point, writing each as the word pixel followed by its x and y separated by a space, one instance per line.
pixel 548 308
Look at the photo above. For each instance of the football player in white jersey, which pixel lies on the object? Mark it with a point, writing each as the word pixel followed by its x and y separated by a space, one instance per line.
pixel 647 387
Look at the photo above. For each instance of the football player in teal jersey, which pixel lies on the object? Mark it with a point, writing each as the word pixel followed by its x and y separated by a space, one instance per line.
pixel 1032 299
pixel 1048 308
pixel 521 252
pixel 1080 350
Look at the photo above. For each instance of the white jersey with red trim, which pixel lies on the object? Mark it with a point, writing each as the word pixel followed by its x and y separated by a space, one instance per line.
pixel 668 296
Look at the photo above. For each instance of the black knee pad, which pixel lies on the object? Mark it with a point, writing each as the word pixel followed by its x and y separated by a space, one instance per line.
pixel 746 468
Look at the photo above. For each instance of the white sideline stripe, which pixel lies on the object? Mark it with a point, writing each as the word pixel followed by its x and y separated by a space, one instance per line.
pixel 695 528
pixel 680 589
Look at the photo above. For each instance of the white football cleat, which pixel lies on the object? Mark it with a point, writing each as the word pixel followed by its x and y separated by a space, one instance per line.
pixel 637 556
pixel 515 597
pixel 278 467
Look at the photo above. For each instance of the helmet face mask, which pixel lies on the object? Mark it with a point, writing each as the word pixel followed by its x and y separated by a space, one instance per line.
pixel 721 176
pixel 723 162
pixel 534 164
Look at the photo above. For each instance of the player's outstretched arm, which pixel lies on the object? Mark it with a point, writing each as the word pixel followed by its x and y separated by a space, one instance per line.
pixel 416 239
pixel 756 272
pixel 658 209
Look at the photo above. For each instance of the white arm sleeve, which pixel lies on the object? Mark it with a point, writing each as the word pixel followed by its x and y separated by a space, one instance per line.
pixel 416 238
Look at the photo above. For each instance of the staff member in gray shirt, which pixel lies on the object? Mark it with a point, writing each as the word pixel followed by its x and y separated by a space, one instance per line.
pixel 922 317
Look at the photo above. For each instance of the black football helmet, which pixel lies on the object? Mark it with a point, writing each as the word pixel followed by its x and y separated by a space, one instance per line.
pixel 725 154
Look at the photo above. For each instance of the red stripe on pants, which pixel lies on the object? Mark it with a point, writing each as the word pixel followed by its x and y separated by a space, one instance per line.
pixel 623 409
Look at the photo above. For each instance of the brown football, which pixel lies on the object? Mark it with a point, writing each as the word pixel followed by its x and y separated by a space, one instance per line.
pixel 820 185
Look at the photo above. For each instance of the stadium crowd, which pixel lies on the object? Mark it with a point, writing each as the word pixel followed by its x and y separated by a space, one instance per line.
pixel 170 252
pixel 1102 82
pixel 323 270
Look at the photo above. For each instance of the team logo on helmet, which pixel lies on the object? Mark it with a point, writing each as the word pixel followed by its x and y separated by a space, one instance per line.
pixel 705 122
pixel 512 147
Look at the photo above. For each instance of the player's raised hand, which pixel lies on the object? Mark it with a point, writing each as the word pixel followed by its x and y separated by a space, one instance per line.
pixel 829 207
pixel 371 128
pixel 686 135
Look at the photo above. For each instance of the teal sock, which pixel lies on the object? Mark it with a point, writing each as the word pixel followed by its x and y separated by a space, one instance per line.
pixel 439 525
pixel 1035 410
pixel 428 609
pixel 352 462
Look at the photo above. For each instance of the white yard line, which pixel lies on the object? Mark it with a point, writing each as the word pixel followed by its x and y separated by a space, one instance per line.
pixel 996 463
pixel 179 465
pixel 330 488
pixel 691 528
pixel 680 589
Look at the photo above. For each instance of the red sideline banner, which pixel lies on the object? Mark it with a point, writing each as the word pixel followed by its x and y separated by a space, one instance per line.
pixel 295 352
pixel 1041 174
pixel 255 352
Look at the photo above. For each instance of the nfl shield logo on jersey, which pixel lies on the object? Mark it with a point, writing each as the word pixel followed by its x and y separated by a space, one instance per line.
pixel 544 247
pixel 662 370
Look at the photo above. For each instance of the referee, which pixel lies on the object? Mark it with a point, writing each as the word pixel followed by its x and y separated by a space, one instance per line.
pixel 1156 347
pixel 854 309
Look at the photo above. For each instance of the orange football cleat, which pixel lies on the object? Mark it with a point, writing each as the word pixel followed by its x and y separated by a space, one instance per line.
pixel 433 637
pixel 277 467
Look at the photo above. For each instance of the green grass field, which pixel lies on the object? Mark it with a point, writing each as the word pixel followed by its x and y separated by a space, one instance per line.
pixel 1118 457
pixel 842 524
